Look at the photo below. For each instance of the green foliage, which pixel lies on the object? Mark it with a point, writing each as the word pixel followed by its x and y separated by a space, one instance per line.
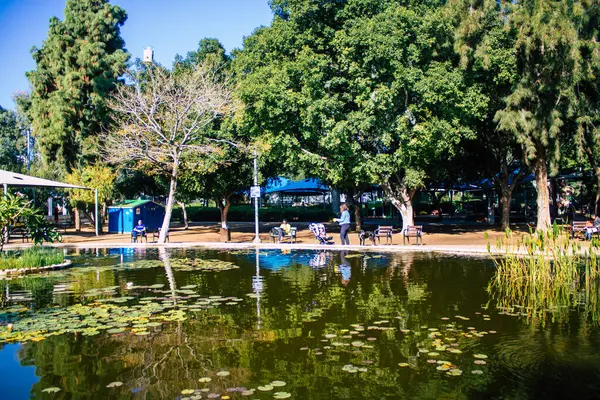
pixel 358 92
pixel 15 211
pixel 96 176
pixel 33 257
pixel 270 214
pixel 78 65
pixel 13 144
pixel 546 272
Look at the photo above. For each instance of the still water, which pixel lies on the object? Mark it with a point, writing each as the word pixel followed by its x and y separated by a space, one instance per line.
pixel 175 324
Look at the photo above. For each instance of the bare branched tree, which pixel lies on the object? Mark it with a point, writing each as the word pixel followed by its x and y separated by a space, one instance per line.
pixel 163 119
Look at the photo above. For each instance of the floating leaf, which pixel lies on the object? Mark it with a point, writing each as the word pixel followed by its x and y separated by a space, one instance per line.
pixel 481 356
pixel 223 373
pixel 281 395
pixel 403 364
pixel 114 384
pixel 205 379
pixel 187 391
pixel 277 383
pixel 477 372
pixel 51 390
pixel 265 388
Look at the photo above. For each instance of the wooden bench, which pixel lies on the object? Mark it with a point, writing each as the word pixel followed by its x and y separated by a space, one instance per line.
pixel 415 231
pixel 276 235
pixel 20 232
pixel 386 232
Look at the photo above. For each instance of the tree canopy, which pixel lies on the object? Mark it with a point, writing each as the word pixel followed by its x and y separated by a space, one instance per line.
pixel 78 65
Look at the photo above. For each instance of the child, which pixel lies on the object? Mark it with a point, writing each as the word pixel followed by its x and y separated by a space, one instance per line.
pixel 590 228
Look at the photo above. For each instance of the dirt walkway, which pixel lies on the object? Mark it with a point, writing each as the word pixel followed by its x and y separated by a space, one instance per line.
pixel 450 239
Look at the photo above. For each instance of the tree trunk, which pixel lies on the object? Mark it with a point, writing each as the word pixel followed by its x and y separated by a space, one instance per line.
pixel 597 205
pixel 184 212
pixel 355 205
pixel 357 216
pixel 224 205
pixel 540 169
pixel 77 219
pixel 401 197
pixel 505 204
pixel 170 202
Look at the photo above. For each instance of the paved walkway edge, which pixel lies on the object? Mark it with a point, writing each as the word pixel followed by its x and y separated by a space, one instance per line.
pixel 475 250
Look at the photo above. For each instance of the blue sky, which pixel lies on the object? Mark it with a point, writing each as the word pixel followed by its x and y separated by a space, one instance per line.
pixel 170 26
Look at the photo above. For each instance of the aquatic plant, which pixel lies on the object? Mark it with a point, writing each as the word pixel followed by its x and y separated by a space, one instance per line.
pixel 545 272
pixel 33 257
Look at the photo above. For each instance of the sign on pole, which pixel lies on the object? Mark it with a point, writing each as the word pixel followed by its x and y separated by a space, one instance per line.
pixel 255 192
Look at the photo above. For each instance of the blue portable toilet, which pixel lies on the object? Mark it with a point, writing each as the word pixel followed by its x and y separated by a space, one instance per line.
pixel 124 217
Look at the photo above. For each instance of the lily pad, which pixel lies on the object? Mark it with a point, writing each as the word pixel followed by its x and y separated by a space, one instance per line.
pixel 277 383
pixel 205 379
pixel 114 384
pixel 282 395
pixel 187 391
pixel 223 373
pixel 265 388
pixel 51 390
pixel 480 356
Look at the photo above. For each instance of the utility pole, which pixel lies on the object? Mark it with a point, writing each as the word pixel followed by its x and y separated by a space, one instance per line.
pixel 255 193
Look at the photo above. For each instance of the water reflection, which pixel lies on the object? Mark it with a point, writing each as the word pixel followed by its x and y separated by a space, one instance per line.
pixel 328 324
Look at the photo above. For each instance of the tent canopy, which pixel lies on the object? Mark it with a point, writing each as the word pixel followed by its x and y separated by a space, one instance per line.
pixel 9 178
pixel 305 187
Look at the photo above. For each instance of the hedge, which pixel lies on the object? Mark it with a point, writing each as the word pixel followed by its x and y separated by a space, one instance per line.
pixel 246 213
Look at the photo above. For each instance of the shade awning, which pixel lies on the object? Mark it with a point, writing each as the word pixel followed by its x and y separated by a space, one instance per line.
pixel 9 178
pixel 305 187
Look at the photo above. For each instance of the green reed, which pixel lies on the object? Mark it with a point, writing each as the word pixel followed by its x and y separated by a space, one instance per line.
pixel 545 272
pixel 32 257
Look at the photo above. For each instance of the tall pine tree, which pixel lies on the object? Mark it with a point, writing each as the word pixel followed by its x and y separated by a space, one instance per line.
pixel 77 66
pixel 541 102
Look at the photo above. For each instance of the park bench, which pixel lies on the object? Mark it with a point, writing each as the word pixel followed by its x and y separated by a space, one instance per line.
pixel 291 237
pixel 156 234
pixel 415 231
pixel 19 232
pixel 579 227
pixel 386 232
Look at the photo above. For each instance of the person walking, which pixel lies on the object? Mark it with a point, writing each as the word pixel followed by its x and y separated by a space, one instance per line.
pixel 344 222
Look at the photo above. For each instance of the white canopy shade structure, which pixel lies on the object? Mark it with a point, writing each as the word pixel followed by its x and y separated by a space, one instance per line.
pixel 8 178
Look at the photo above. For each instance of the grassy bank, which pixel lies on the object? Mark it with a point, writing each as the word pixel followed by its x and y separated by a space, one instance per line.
pixel 33 257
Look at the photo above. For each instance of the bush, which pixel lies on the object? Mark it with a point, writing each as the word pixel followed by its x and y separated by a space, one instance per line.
pixel 245 213
pixel 33 257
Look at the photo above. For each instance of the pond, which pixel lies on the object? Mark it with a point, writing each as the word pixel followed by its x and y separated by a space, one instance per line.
pixel 195 323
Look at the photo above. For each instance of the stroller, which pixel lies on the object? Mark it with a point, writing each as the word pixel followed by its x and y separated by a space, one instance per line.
pixel 320 233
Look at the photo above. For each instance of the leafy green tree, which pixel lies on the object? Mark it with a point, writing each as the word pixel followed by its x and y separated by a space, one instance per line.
pixel 549 53
pixel 78 65
pixel 363 91
pixel 13 144
pixel 487 55
pixel 98 177
pixel 587 95
pixel 16 210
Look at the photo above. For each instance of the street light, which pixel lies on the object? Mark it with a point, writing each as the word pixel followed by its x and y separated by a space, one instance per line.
pixel 255 194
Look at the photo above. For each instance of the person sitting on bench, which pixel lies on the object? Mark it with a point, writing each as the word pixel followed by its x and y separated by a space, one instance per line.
pixel 591 227
pixel 284 230
pixel 140 229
